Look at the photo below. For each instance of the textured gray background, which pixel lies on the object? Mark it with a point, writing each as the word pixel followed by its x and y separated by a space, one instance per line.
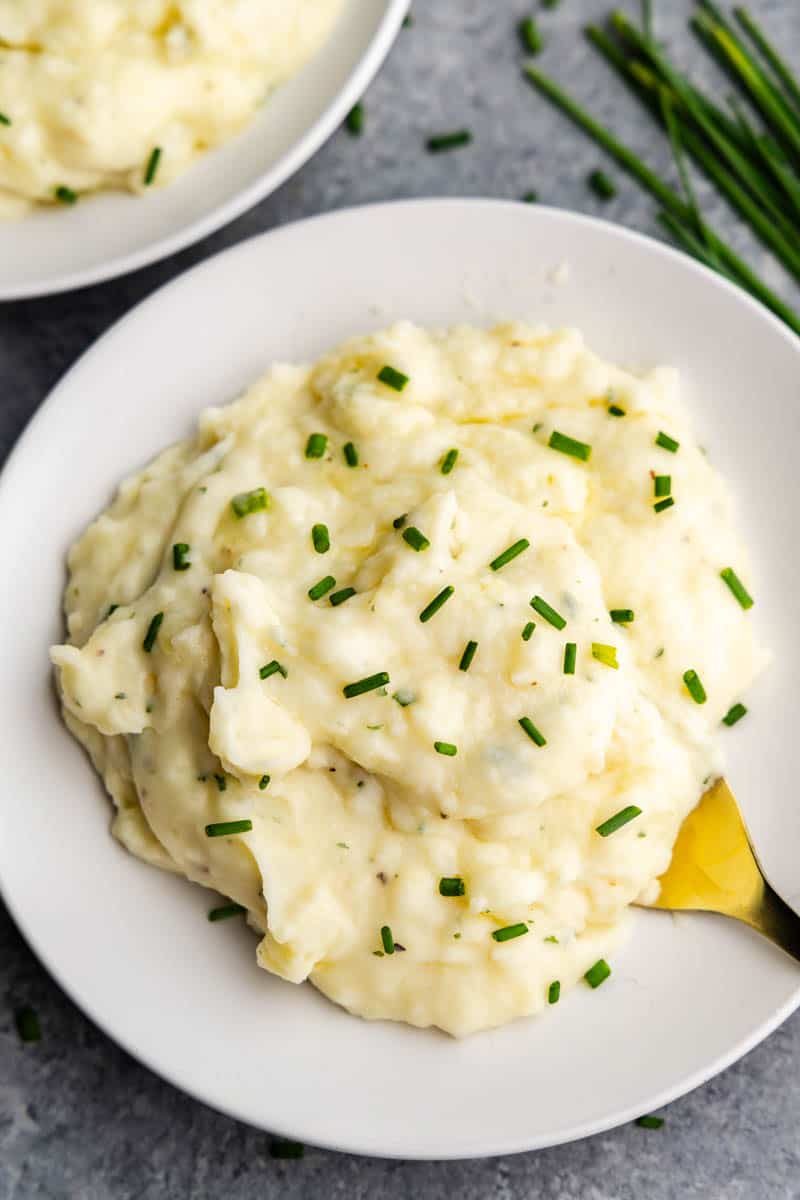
pixel 78 1117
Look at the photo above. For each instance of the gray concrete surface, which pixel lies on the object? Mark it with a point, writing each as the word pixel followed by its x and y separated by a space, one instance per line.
pixel 78 1117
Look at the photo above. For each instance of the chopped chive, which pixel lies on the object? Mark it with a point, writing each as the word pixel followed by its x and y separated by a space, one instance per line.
pixel 729 576
pixel 509 931
pixel 530 36
pixel 225 911
pixel 272 668
pixel 152 165
pixel 350 454
pixel 451 885
pixel 554 992
pixel 467 656
pixel 544 610
pixel 449 141
pixel 369 684
pixel 552 938
pixel 321 588
pixel 533 733
pixel 449 461
pixel 568 445
pixel 112 608
pixel 602 185
pixel 623 817
pixel 527 632
pixel 662 485
pixel 120 695
pixel 227 828
pixel 246 503
pixel 614 410
pixel 436 603
pixel 355 120
pixel 621 616
pixel 663 505
pixel 221 782
pixel 263 783
pixel 285 1148
pixel 387 940
pixel 4 120
pixel 598 973
pixel 446 748
pixel 343 594
pixel 666 442
pixel 509 554
pixel 400 521
pixel 26 1020
pixel 316 445
pixel 180 561
pixel 607 655
pixel 152 632
pixel 392 378
pixel 321 538
pixel 530 197
pixel 404 697
pixel 570 656
pixel 694 686
pixel 648 1122
pixel 65 195
pixel 414 538
pixel 734 714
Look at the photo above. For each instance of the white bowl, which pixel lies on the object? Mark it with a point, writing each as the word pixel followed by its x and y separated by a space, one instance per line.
pixel 55 249
pixel 132 945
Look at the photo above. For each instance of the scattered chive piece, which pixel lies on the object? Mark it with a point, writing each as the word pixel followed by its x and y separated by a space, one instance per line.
pixel 621 616
pixel 662 485
pixel 729 576
pixel 648 1122
pixel 227 828
pixel 544 610
pixel 568 445
pixel 152 632
pixel 618 820
pixel 355 120
pixel 449 141
pixel 250 502
pixel 554 992
pixel 446 748
pixel 408 21
pixel 221 782
pixel 120 695
pixel 467 656
pixel 321 538
pixel 400 521
pixel 530 35
pixel 263 783
pixel 533 733
pixel 369 684
pixel 224 911
pixel 152 165
pixel 451 885
pixel 530 197
pixel 449 461
pixel 598 973
pixel 404 697
pixel 65 195
pixel 570 655
pixel 180 561
pixel 527 632
pixel 602 185
pixel 552 938
pixel 316 445
pixel 509 931
pixel 285 1148
pixel 614 410
pixel 436 603
pixel 343 594
pixel 350 454
pixel 112 608
pixel 662 505
pixel 734 714
pixel 387 940
pixel 272 668
pixel 510 554
pixel 550 3
pixel 392 378
pixel 414 538
pixel 321 588
pixel 27 1022
pixel 4 120
pixel 694 687
pixel 666 442
pixel 607 655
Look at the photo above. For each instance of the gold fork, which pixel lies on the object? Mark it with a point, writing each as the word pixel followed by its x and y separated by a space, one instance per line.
pixel 714 869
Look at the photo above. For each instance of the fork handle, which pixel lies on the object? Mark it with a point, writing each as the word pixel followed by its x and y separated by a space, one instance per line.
pixel 777 921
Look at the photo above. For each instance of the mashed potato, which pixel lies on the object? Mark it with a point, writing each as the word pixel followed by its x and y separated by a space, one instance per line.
pixel 90 88
pixel 376 612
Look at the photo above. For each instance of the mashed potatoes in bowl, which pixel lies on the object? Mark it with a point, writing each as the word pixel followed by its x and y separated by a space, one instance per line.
pixel 420 655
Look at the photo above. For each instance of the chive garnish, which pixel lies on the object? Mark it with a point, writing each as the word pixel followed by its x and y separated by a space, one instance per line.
pixel 436 603
pixel 227 828
pixel 568 445
pixel 152 165
pixel 272 668
pixel 4 120
pixel 400 521
pixel 343 594
pixel 544 610
pixel 662 485
pixel 446 748
pixel 530 197
pixel 694 687
pixel 316 445
pixel 392 378
pixel 263 783
pixel 321 588
pixel 449 461
pixel 602 185
pixel 554 992
pixel 607 655
pixel 451 885
pixel 414 538
pixel 387 940
pixel 662 505
pixel 666 442
pixel 729 576
pixel 621 616
pixel 225 911
pixel 530 36
pixel 533 733
pixel 449 141
pixel 467 656
pixel 527 632
pixel 221 782
pixel 180 561
pixel 65 195
pixel 355 120
pixel 152 632
pixel 112 608
pixel 250 502
pixel 614 410
pixel 598 973
pixel 509 554
pixel 649 1122
pixel 285 1148
pixel 321 538
pixel 509 931
pixel 26 1020
pixel 369 684
pixel 618 820
pixel 734 714
pixel 350 454
pixel 570 656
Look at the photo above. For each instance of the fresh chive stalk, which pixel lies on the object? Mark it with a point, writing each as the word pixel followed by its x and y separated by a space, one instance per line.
pixel 734 714
pixel 369 684
pixel 466 658
pixel 509 932
pixel 623 817
pixel 451 885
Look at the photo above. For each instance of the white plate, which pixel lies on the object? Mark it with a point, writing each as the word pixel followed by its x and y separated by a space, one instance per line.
pixel 54 249
pixel 132 946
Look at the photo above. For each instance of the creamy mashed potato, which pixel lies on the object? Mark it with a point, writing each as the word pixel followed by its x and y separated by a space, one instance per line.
pixel 89 88
pixel 321 533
